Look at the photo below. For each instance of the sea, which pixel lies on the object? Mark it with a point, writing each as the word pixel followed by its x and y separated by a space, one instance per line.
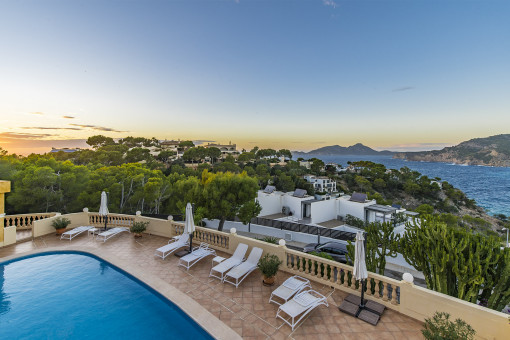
pixel 488 186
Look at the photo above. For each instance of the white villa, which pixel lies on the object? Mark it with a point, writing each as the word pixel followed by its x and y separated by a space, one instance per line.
pixel 321 183
pixel 309 210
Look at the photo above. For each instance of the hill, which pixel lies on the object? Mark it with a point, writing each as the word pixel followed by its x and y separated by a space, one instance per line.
pixel 334 150
pixel 489 151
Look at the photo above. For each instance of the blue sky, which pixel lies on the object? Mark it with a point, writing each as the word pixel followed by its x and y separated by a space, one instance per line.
pixel 293 74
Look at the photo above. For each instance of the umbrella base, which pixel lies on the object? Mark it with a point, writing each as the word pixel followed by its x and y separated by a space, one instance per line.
pixel 370 305
pixel 182 253
pixel 360 313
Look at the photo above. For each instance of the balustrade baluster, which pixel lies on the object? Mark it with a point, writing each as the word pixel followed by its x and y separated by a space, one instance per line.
pixel 295 261
pixel 369 286
pixel 353 283
pixel 385 292
pixel 306 264
pixel 394 295
pixel 332 274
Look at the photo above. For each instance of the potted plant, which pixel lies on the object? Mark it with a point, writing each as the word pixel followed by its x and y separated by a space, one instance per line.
pixel 269 265
pixel 138 228
pixel 60 224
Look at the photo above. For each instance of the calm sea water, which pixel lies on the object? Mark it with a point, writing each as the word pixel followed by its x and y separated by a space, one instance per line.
pixel 488 186
pixel 76 296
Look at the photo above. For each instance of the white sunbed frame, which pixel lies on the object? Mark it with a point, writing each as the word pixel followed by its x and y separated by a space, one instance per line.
pixel 69 235
pixel 196 255
pixel 293 285
pixel 106 235
pixel 172 246
pixel 300 306
pixel 240 272
pixel 224 266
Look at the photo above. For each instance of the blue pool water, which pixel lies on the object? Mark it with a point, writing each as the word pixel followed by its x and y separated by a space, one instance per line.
pixel 488 186
pixel 78 296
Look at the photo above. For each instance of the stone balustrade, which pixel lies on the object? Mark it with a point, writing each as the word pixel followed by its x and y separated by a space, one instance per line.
pixel 113 220
pixel 335 274
pixel 216 239
pixel 25 221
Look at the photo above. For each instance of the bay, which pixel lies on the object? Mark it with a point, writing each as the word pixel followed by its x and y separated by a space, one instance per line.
pixel 488 186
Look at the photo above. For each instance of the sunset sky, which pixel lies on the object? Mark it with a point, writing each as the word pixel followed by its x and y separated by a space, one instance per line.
pixel 398 75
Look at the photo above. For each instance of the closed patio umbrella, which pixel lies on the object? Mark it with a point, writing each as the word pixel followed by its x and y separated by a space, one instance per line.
pixel 189 224
pixel 360 267
pixel 103 208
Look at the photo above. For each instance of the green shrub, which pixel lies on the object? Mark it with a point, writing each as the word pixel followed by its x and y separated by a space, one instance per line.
pixel 270 239
pixel 60 223
pixel 354 221
pixel 440 327
pixel 139 227
pixel 269 265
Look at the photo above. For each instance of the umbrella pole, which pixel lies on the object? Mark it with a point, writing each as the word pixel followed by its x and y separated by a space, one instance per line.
pixel 363 286
pixel 190 242
pixel 105 221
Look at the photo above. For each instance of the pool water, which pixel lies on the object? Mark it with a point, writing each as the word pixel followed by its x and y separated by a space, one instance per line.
pixel 78 296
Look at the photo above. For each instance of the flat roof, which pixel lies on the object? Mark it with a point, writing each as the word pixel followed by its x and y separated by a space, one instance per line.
pixel 381 208
pixel 310 201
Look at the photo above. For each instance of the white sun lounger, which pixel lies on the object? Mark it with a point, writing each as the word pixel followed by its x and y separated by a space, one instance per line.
pixel 69 235
pixel 106 235
pixel 239 273
pixel 196 255
pixel 288 288
pixel 168 249
pixel 299 306
pixel 236 259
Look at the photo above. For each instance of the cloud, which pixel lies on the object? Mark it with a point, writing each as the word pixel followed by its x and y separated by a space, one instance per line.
pixel 68 117
pixel 404 88
pixel 48 128
pixel 329 3
pixel 98 128
pixel 16 135
pixel 37 113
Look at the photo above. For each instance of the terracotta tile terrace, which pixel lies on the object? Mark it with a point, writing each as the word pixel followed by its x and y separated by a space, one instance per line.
pixel 246 309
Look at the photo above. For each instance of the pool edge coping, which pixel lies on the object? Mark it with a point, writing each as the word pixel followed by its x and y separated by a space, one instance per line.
pixel 210 323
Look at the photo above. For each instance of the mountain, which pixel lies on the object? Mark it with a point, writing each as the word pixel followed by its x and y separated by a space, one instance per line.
pixel 335 150
pixel 489 151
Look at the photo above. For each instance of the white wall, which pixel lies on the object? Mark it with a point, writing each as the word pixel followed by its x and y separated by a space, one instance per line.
pixel 353 208
pixel 324 211
pixel 270 203
pixel 294 203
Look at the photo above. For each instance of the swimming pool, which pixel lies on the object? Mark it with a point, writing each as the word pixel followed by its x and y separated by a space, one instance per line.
pixel 75 295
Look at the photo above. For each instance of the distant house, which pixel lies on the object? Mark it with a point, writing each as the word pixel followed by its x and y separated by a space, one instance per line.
pixel 170 145
pixel 66 150
pixel 321 183
pixel 306 164
pixel 226 149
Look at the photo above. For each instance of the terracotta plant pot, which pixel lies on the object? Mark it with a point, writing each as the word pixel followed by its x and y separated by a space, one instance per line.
pixel 60 231
pixel 268 281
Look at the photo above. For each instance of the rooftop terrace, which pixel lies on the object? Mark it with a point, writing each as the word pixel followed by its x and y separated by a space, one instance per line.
pixel 246 309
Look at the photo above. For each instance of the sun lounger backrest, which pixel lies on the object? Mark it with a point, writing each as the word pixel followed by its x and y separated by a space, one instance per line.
pixel 184 238
pixel 255 255
pixel 240 251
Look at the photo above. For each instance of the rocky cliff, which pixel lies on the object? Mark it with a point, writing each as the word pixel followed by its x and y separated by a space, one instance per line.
pixel 490 151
